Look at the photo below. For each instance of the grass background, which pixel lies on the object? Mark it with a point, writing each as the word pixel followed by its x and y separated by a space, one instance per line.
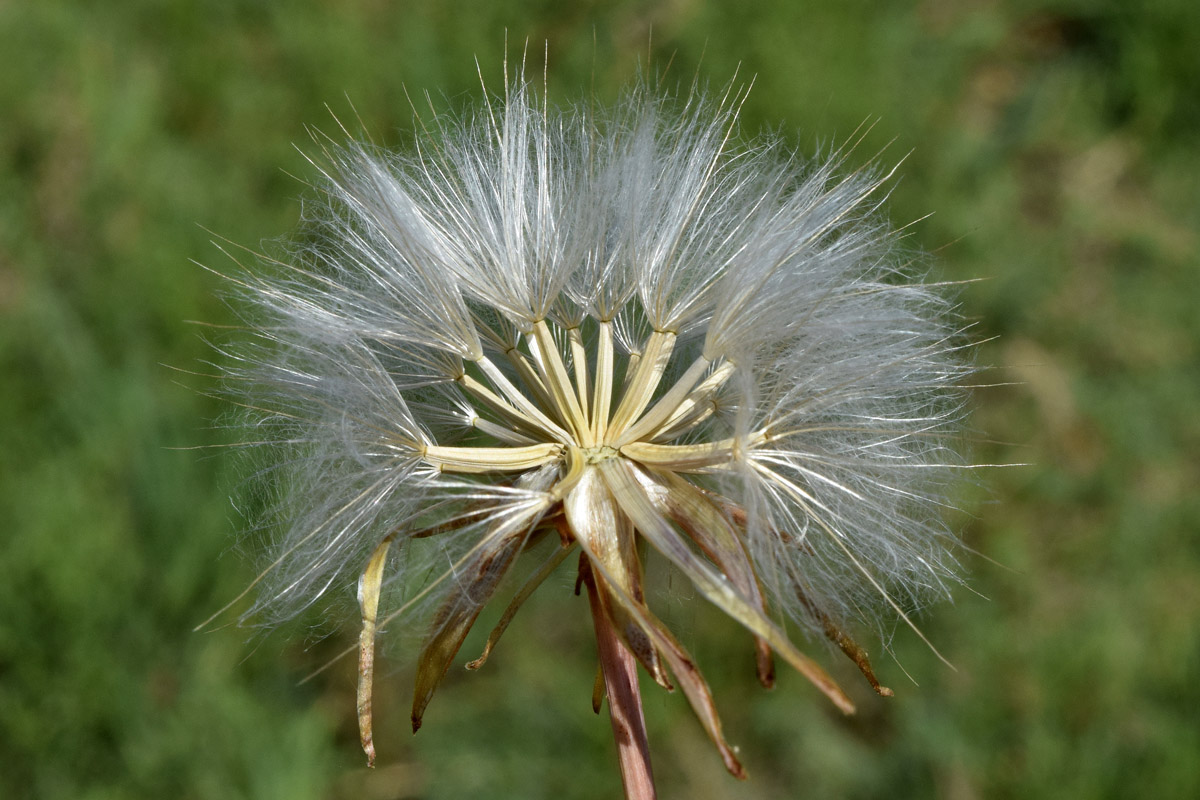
pixel 1056 142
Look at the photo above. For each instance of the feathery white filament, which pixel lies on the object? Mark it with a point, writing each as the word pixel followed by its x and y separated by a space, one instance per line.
pixel 534 293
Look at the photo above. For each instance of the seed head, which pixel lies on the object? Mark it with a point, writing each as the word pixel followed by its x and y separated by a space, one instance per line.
pixel 624 334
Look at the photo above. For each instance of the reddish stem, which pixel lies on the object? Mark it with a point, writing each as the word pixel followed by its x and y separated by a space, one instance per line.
pixel 624 700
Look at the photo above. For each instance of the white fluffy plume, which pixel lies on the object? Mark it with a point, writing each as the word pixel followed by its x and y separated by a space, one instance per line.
pixel 542 321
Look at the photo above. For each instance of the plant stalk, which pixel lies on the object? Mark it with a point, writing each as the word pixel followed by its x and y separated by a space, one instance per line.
pixel 619 668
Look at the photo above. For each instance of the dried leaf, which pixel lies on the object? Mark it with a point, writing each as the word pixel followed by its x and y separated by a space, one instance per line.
pixel 478 582
pixel 535 580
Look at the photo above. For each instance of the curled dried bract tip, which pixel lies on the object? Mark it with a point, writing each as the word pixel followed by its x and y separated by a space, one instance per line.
pixel 618 333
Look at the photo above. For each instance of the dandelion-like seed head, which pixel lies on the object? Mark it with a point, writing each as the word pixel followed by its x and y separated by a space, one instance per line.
pixel 626 334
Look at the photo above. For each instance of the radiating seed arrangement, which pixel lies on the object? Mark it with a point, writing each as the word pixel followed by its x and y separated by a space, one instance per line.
pixel 624 335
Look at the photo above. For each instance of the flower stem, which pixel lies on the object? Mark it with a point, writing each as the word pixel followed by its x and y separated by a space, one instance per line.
pixel 624 701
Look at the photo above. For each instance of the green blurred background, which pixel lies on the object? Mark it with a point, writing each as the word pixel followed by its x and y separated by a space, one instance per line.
pixel 1056 144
